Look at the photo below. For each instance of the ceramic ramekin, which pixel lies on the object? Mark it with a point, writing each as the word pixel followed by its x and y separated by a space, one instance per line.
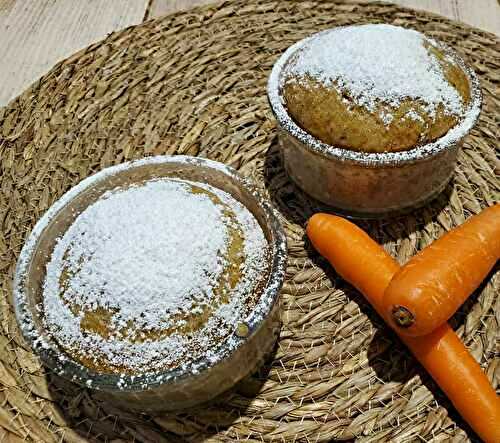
pixel 368 185
pixel 168 389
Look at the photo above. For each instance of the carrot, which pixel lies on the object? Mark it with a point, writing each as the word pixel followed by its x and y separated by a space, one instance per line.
pixel 429 289
pixel 363 263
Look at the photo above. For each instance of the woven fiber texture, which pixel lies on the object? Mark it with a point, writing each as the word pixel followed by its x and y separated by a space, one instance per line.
pixel 194 83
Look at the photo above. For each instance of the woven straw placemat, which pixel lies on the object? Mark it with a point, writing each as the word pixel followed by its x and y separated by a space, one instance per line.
pixel 194 83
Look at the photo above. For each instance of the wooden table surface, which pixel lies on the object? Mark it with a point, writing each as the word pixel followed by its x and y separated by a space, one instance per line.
pixel 36 34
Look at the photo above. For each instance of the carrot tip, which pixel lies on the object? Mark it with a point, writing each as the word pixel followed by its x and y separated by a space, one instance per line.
pixel 402 316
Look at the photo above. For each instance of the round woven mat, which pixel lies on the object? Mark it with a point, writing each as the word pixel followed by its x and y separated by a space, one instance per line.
pixel 194 83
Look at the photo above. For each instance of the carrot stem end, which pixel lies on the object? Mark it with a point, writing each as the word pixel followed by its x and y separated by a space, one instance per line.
pixel 402 316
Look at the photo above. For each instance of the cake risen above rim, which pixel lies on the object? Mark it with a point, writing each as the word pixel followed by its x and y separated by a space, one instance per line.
pixel 154 276
pixel 374 88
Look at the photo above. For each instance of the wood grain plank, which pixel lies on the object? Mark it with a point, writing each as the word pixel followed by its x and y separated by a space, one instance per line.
pixel 446 8
pixel 163 7
pixel 484 14
pixel 36 34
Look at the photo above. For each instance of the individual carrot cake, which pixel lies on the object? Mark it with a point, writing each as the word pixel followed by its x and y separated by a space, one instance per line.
pixel 154 276
pixel 374 88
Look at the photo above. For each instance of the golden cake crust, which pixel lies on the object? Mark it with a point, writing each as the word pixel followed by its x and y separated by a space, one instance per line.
pixel 332 116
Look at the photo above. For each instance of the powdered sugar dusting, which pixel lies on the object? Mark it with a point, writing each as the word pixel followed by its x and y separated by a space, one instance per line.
pixel 371 159
pixel 376 63
pixel 414 116
pixel 153 256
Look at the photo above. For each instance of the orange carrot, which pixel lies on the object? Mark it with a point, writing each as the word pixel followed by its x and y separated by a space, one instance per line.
pixel 429 289
pixel 363 263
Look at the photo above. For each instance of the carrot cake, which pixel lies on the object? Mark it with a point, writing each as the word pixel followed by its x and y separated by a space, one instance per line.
pixel 154 276
pixel 374 88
